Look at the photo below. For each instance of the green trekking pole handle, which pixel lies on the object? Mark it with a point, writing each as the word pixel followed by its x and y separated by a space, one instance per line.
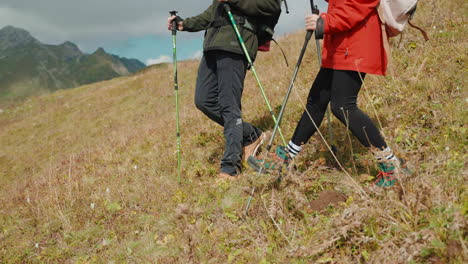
pixel 176 91
pixel 227 8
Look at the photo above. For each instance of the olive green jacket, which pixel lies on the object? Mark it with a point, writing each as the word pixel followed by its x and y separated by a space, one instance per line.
pixel 224 37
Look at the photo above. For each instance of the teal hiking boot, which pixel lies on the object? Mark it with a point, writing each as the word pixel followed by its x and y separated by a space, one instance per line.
pixel 389 173
pixel 391 169
pixel 274 161
pixel 386 177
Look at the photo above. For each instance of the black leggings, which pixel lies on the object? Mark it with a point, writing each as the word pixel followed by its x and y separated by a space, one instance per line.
pixel 341 88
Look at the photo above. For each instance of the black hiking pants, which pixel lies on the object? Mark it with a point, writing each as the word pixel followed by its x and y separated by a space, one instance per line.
pixel 341 89
pixel 218 93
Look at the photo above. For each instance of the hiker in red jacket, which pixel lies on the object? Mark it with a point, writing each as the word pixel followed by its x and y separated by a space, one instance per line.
pixel 353 47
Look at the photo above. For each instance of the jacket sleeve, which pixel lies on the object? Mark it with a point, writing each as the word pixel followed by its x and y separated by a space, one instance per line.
pixel 257 7
pixel 347 15
pixel 200 22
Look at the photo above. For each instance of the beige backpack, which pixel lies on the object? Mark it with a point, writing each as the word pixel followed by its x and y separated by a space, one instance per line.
pixel 394 15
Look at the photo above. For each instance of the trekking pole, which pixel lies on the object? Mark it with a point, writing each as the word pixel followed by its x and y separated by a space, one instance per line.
pixel 316 11
pixel 286 6
pixel 254 71
pixel 285 101
pixel 176 90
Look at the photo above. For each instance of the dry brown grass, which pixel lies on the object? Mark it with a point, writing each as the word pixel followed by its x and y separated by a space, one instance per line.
pixel 88 175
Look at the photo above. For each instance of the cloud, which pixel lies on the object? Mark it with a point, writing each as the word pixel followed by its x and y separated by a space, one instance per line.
pixel 90 16
pixel 91 24
pixel 162 59
pixel 197 55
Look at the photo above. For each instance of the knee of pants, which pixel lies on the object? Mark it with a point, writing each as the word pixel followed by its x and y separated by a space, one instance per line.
pixel 343 111
pixel 231 116
pixel 340 111
pixel 230 108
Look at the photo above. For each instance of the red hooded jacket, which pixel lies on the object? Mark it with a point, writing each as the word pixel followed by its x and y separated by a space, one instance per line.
pixel 353 37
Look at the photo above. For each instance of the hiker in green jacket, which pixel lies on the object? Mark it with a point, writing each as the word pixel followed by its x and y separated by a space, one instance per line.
pixel 222 71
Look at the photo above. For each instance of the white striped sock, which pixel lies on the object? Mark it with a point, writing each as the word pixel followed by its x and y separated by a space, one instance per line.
pixel 293 149
pixel 389 154
pixel 386 154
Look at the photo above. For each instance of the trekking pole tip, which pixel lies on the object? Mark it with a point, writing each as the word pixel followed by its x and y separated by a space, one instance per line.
pixel 334 149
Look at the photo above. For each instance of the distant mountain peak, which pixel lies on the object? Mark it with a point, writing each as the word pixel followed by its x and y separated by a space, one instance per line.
pixel 71 49
pixel 70 44
pixel 12 29
pixel 12 36
pixel 100 51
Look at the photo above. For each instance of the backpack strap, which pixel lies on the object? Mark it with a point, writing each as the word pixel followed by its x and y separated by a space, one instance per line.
pixel 385 40
pixel 426 37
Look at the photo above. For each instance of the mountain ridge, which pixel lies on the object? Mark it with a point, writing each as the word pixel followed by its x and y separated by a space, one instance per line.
pixel 29 67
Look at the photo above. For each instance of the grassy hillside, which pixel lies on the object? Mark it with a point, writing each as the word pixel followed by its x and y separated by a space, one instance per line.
pixel 88 175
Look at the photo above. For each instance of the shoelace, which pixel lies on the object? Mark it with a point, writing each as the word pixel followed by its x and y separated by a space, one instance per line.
pixel 384 175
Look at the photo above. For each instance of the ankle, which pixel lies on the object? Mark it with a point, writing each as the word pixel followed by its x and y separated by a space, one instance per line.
pixel 384 155
pixel 293 149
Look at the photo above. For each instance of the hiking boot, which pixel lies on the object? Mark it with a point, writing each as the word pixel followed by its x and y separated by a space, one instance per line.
pixel 390 172
pixel 252 148
pixel 386 176
pixel 273 162
pixel 391 168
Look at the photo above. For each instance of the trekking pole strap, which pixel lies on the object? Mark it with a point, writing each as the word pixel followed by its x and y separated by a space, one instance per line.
pixel 282 51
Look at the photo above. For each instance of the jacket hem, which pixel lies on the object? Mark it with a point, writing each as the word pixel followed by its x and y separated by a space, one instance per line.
pixel 236 51
pixel 366 70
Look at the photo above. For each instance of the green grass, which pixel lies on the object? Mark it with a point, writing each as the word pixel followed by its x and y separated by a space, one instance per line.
pixel 88 175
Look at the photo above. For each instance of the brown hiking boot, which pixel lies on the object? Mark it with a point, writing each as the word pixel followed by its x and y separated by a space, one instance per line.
pixel 252 148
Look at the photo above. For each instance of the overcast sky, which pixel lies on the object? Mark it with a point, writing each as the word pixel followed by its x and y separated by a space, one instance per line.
pixel 131 28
